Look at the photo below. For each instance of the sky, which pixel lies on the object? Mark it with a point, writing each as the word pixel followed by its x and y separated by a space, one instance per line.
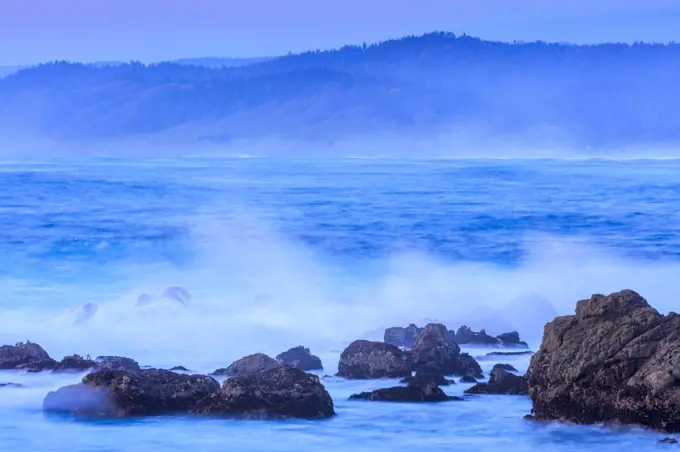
pixel 34 31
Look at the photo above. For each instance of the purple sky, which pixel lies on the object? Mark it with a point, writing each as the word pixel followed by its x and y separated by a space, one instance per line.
pixel 150 30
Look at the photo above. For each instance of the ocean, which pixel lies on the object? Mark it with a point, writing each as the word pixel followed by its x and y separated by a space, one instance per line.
pixel 318 252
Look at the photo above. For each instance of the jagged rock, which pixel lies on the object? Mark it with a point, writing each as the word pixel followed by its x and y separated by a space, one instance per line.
pixel 11 385
pixel 402 336
pixel 26 356
pixel 467 365
pixel 281 392
pixel 74 363
pixel 427 379
pixel 116 363
pixel 249 365
pixel 465 336
pixel 496 355
pixel 426 393
pixel 468 379
pixel 433 353
pixel 179 369
pixel 366 360
pixel 512 340
pixel 301 358
pixel 616 360
pixel 506 367
pixel 501 382
pixel 121 393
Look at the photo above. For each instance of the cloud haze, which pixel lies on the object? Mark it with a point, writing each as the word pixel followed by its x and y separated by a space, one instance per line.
pixel 84 30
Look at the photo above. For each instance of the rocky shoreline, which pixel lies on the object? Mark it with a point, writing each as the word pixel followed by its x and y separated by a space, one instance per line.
pixel 615 360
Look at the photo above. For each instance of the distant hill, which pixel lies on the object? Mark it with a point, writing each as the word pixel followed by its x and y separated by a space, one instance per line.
pixel 220 62
pixel 601 96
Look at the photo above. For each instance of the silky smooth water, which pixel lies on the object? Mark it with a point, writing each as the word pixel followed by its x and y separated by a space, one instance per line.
pixel 278 253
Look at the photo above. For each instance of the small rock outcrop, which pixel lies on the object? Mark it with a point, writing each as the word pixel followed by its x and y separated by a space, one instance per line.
pixel 512 340
pixel 248 365
pixel 121 393
pixel 468 366
pixel 402 336
pixel 11 385
pixel 501 382
pixel 465 336
pixel 367 360
pixel 179 369
pixel 506 367
pixel 433 353
pixel 427 393
pixel 281 392
pixel 467 379
pixel 301 358
pixel 116 363
pixel 427 379
pixel 616 360
pixel 26 356
pixel 74 363
pixel 497 355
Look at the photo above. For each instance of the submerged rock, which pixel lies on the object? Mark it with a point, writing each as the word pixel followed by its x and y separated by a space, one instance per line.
pixel 427 393
pixel 116 363
pixel 427 379
pixel 433 353
pixel 496 355
pixel 121 393
pixel 249 365
pixel 402 336
pixel 11 385
pixel 366 360
pixel 74 363
pixel 616 360
pixel 301 358
pixel 281 392
pixel 26 356
pixel 501 382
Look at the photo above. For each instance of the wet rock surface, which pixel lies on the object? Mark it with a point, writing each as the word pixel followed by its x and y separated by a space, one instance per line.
pixel 506 367
pixel 300 358
pixel 433 353
pixel 367 360
pixel 402 336
pixel 74 363
pixel 248 365
pixel 121 393
pixel 501 382
pixel 281 392
pixel 427 393
pixel 27 356
pixel 116 363
pixel 427 379
pixel 616 360
pixel 468 366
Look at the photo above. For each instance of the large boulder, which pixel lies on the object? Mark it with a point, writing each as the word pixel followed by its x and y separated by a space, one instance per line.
pixel 249 365
pixel 434 353
pixel 74 363
pixel 512 340
pixel 427 393
pixel 121 393
pixel 402 336
pixel 116 363
pixel 301 358
pixel 366 359
pixel 501 382
pixel 617 359
pixel 468 366
pixel 26 356
pixel 281 392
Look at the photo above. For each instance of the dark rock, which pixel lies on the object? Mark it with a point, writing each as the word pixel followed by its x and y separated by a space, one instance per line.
pixel 281 392
pixel 433 353
pixel 507 367
pixel 427 379
pixel 365 360
pixel 301 358
pixel 116 363
pixel 468 366
pixel 427 393
pixel 512 340
pixel 496 355
pixel 74 363
pixel 468 379
pixel 402 336
pixel 26 356
pixel 249 365
pixel 465 336
pixel 616 360
pixel 529 417
pixel 180 369
pixel 121 393
pixel 668 441
pixel 501 382
pixel 11 385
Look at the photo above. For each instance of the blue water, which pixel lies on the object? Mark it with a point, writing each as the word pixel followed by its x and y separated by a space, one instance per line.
pixel 281 252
